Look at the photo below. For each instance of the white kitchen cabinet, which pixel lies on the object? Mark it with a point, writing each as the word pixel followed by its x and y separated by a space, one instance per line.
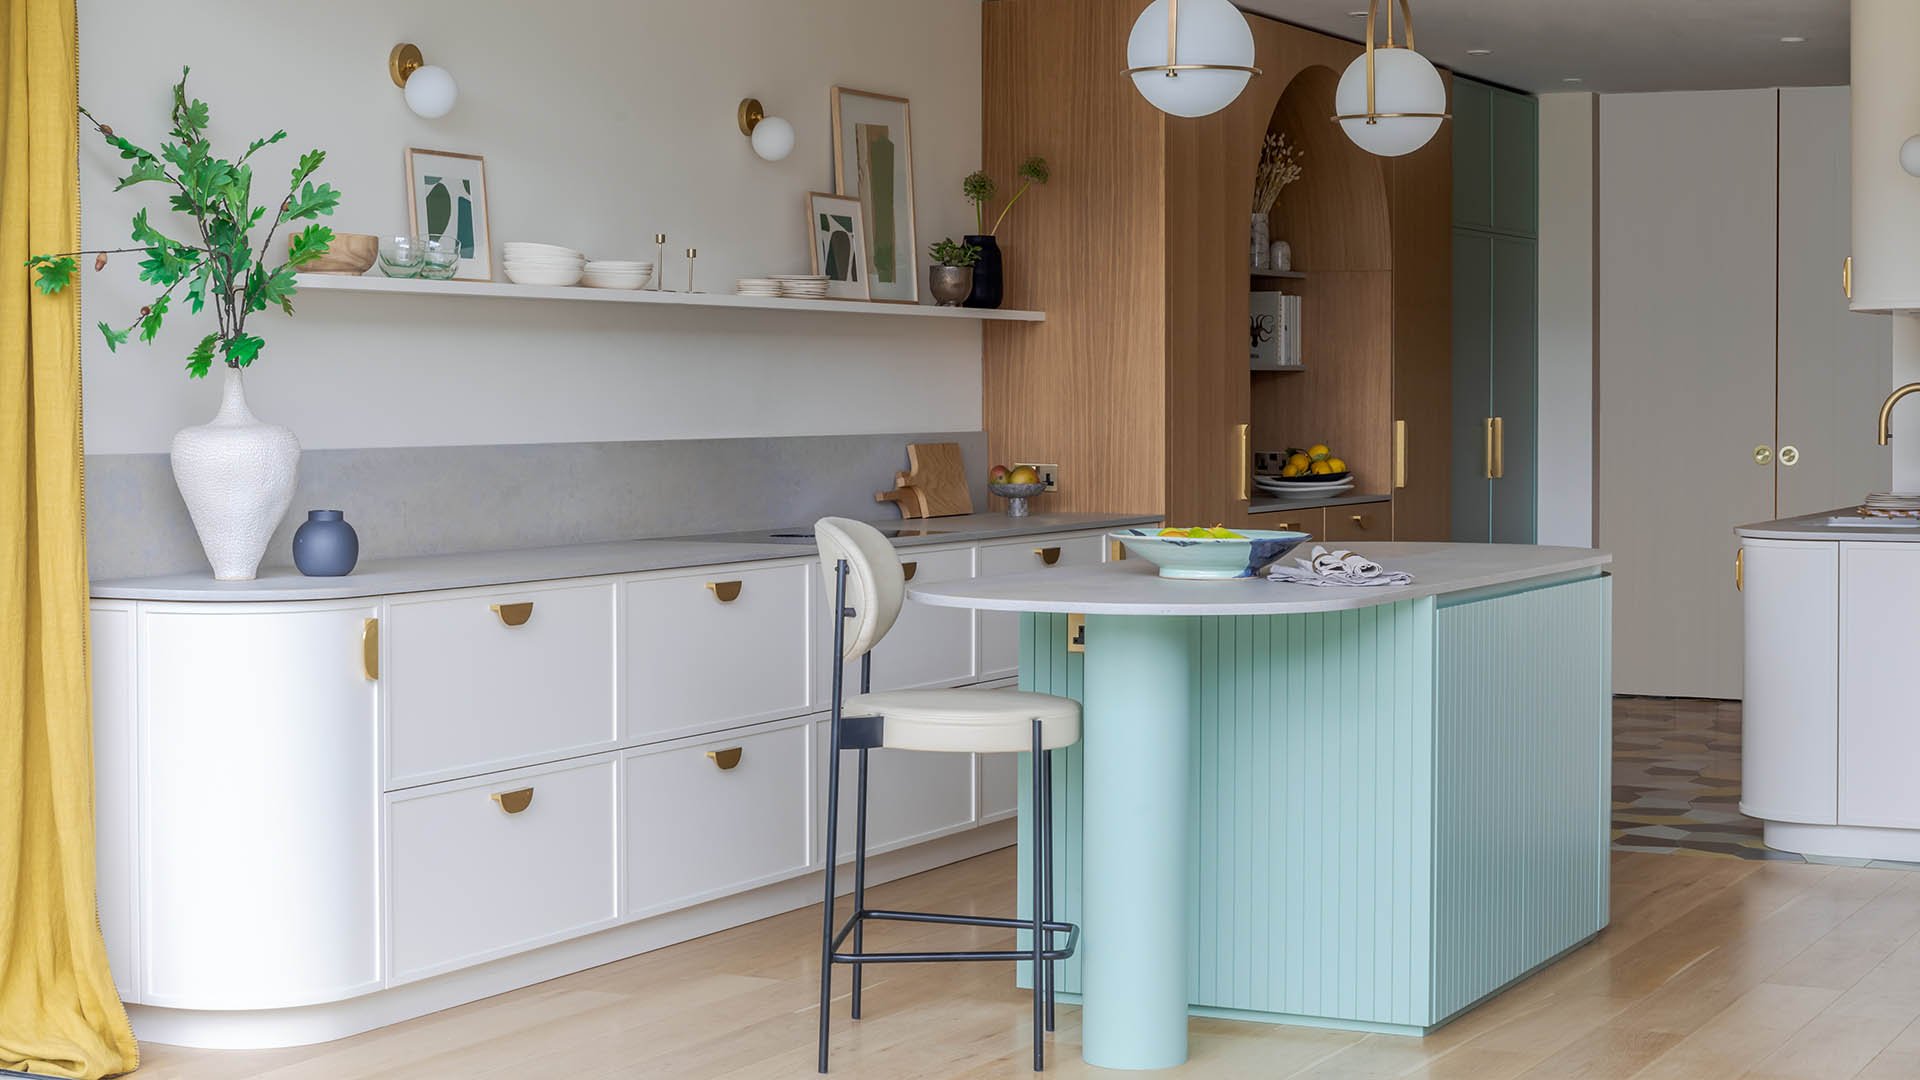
pixel 722 647
pixel 1791 718
pixel 1000 630
pixel 912 796
pixel 1879 710
pixel 927 647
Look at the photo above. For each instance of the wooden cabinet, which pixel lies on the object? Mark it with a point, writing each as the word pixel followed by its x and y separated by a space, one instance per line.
pixel 1359 521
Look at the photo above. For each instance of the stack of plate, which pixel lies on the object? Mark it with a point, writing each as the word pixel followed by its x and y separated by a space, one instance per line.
pixel 1891 504
pixel 1323 486
pixel 802 286
pixel 543 264
pixel 616 274
pixel 757 286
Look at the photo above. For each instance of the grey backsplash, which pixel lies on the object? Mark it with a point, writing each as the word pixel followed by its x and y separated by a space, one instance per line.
pixel 440 499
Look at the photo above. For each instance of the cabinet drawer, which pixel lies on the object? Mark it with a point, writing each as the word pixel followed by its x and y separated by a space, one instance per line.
pixel 714 818
pixel 470 693
pixel 697 661
pixel 1000 630
pixel 470 881
pixel 1359 521
pixel 911 795
pixel 1313 522
pixel 928 646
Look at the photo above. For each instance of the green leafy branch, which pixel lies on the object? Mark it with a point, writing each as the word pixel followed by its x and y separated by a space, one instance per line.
pixel 221 267
pixel 948 252
pixel 980 189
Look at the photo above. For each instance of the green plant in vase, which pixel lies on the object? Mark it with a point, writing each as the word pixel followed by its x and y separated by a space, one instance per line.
pixel 235 474
pixel 980 190
pixel 950 279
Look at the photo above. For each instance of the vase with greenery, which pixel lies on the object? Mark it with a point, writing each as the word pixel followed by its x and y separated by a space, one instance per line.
pixel 1279 166
pixel 236 474
pixel 980 190
pixel 950 278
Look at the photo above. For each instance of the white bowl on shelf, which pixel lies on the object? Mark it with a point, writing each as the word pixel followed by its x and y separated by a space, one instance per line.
pixel 601 280
pixel 524 274
pixel 516 249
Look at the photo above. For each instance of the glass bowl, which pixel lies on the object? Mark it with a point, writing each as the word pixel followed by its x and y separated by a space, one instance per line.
pixel 439 258
pixel 402 256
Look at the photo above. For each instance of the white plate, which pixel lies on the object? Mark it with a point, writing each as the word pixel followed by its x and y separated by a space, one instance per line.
pixel 521 275
pixel 822 278
pixel 620 265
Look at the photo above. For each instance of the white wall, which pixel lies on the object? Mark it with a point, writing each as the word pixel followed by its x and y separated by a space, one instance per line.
pixel 602 122
pixel 1567 145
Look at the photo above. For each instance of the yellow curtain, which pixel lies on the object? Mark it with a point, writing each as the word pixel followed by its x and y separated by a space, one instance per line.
pixel 59 1015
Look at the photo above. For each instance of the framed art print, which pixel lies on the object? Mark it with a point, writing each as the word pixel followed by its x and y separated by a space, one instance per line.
pixel 873 162
pixel 447 196
pixel 838 238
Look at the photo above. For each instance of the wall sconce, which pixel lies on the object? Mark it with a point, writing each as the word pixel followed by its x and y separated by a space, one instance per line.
pixel 430 91
pixel 771 136
pixel 1910 156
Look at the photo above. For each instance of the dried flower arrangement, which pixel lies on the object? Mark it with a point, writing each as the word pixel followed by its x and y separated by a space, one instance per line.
pixel 1279 166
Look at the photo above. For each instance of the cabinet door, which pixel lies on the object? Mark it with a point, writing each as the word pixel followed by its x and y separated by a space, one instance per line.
pixel 1472 108
pixel 1472 511
pixel 1000 630
pixel 1879 722
pixel 1789 719
pixel 1358 522
pixel 912 796
pixel 927 647
pixel 1514 120
pixel 1513 378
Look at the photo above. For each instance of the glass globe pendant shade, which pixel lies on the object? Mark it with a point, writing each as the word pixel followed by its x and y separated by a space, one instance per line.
pixel 1391 100
pixel 431 92
pixel 1910 156
pixel 772 139
pixel 1190 57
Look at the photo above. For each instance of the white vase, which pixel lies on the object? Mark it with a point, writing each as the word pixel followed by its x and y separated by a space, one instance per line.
pixel 236 475
pixel 1260 240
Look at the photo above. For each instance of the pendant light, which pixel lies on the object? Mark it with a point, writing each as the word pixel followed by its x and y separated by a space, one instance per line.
pixel 1190 57
pixel 1391 100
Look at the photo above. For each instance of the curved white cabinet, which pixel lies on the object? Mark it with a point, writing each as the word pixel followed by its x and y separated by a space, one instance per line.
pixel 1790 722
pixel 318 817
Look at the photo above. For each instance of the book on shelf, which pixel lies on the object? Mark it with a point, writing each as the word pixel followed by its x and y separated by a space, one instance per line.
pixel 1273 326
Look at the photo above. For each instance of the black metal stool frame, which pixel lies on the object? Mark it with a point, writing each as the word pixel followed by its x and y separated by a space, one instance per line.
pixel 864 734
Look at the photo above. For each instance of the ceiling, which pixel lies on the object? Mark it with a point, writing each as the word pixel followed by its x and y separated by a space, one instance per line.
pixel 1612 46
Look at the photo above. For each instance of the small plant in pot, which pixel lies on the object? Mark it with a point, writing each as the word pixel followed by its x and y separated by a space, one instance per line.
pixel 951 276
pixel 980 190
pixel 236 474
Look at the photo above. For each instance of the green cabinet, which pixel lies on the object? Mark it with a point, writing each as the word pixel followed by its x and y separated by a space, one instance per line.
pixel 1496 211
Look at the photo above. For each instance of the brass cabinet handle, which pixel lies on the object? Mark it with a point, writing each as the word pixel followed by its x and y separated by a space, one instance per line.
pixel 724 591
pixel 1287 526
pixel 1360 521
pixel 1116 551
pixel 514 801
pixel 514 614
pixel 1399 453
pixel 1246 462
pixel 370 649
pixel 1496 448
pixel 1048 555
pixel 726 759
pixel 1763 455
pixel 1740 570
pixel 1789 456
pixel 1487 452
pixel 1846 277
pixel 908 569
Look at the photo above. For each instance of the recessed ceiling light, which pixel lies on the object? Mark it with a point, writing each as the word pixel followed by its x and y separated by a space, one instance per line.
pixel 1792 40
pixel 1479 52
pixel 1358 14
pixel 1572 79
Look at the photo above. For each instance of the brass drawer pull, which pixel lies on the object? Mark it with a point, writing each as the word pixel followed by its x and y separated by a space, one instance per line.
pixel 514 801
pixel 1740 570
pixel 1399 453
pixel 1117 552
pixel 370 649
pixel 726 759
pixel 1246 461
pixel 724 591
pixel 908 569
pixel 514 614
pixel 1048 555
pixel 1499 448
pixel 1360 521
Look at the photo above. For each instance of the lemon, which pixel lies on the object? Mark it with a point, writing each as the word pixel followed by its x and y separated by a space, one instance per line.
pixel 1226 534
pixel 1181 533
pixel 1291 471
pixel 1320 452
pixel 1299 461
pixel 1321 468
pixel 1336 465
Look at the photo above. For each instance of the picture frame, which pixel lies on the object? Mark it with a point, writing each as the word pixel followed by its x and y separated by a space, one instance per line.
pixel 837 237
pixel 448 191
pixel 873 162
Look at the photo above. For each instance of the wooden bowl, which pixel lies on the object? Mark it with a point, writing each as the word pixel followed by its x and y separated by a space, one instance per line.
pixel 350 253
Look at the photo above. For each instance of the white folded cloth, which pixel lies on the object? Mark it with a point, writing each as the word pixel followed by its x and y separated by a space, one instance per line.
pixel 1340 567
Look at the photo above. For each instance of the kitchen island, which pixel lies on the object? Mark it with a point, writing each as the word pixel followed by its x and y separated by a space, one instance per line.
pixel 1365 808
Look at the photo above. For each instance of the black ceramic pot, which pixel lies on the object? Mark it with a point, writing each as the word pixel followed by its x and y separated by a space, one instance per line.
pixel 986 274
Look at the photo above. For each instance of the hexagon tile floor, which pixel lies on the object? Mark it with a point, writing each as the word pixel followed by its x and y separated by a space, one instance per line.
pixel 1676 783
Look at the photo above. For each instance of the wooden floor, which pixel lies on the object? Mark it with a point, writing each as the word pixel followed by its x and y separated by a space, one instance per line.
pixel 1713 967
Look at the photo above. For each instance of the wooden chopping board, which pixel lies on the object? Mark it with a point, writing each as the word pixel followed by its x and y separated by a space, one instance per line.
pixel 934 485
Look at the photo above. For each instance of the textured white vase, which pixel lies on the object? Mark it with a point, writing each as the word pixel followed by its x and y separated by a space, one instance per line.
pixel 236 475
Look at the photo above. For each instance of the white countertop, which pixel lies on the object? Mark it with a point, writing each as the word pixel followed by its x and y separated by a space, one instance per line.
pixel 427 573
pixel 1134 587
pixel 1815 527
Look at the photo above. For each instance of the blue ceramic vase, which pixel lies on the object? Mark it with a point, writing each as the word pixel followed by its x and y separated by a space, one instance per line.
pixel 325 546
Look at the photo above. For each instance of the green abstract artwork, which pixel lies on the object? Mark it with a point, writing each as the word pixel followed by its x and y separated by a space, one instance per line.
pixel 877 196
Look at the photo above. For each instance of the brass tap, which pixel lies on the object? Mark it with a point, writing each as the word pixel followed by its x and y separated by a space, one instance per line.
pixel 1886 411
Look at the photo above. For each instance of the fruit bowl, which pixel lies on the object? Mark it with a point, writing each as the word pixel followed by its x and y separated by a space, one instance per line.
pixel 1210 558
pixel 1016 496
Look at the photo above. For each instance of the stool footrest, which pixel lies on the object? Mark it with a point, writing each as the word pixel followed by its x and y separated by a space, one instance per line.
pixel 964 955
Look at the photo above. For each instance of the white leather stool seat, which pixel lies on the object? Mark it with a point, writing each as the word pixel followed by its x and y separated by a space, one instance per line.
pixel 970 721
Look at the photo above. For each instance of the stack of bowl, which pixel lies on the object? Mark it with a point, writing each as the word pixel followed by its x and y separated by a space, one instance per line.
pixel 543 264
pixel 802 286
pixel 616 274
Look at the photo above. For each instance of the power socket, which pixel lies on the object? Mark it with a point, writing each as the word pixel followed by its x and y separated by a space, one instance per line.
pixel 1049 474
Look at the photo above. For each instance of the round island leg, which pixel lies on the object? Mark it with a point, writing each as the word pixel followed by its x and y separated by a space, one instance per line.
pixel 1138 758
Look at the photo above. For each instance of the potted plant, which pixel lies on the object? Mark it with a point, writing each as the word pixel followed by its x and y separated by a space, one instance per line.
pixel 980 189
pixel 236 473
pixel 951 276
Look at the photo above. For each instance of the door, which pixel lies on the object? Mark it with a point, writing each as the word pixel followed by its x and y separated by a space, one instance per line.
pixel 1472 375
pixel 1835 365
pixel 1512 382
pixel 1686 362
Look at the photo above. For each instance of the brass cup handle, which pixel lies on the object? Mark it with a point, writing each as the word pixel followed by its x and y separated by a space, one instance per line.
pixel 1048 555
pixel 370 649
pixel 1116 551
pixel 725 759
pixel 908 569
pixel 1789 456
pixel 1763 455
pixel 514 801
pixel 724 591
pixel 1740 570
pixel 514 614
pixel 1360 521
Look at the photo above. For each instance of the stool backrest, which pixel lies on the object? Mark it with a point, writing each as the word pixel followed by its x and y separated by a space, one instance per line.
pixel 876 586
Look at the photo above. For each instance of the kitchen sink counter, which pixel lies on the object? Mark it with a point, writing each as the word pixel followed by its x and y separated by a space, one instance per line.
pixel 427 573
pixel 1817 527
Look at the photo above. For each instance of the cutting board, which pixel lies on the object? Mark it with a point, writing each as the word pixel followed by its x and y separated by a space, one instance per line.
pixel 934 485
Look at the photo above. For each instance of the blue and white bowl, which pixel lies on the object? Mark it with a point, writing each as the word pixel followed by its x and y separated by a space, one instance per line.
pixel 1210 559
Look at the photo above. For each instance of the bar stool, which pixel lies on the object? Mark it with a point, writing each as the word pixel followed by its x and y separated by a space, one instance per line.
pixel 868 588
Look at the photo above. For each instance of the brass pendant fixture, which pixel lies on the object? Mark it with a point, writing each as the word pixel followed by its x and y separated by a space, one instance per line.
pixel 1391 100
pixel 1215 68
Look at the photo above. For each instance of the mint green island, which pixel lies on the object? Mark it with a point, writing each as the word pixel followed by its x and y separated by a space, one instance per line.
pixel 1367 808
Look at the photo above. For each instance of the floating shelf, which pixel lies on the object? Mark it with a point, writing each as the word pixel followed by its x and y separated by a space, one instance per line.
pixel 1278 370
pixel 1294 274
pixel 505 291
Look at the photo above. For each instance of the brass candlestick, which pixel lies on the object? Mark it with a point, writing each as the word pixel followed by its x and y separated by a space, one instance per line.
pixel 692 254
pixel 660 262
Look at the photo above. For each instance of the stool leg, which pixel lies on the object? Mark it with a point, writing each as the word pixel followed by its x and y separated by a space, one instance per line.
pixel 859 878
pixel 1039 931
pixel 1046 853
pixel 826 918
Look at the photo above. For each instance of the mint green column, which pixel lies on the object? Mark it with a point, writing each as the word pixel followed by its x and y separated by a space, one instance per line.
pixel 1138 747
